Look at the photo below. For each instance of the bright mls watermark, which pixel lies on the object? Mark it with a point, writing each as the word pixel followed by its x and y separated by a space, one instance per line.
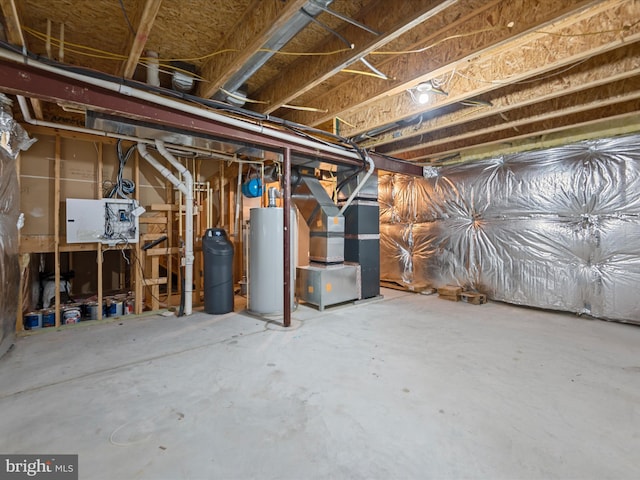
pixel 50 467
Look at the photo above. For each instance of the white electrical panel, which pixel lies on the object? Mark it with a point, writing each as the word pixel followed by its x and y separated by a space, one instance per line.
pixel 107 220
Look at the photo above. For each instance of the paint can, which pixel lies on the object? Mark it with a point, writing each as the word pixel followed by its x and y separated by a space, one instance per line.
pixel 129 306
pixel 114 307
pixel 71 314
pixel 48 317
pixel 91 310
pixel 33 320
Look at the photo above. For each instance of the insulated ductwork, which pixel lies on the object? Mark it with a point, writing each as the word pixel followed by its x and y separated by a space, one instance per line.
pixel 232 90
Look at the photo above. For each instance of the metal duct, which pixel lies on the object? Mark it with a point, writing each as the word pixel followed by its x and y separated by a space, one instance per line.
pixel 298 21
pixel 326 223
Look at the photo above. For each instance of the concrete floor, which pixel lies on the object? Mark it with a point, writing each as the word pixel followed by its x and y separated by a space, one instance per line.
pixel 410 386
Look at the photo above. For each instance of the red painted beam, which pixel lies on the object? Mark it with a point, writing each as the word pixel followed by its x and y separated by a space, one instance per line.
pixel 29 81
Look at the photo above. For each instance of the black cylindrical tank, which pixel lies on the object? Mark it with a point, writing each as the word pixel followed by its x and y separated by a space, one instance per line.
pixel 217 251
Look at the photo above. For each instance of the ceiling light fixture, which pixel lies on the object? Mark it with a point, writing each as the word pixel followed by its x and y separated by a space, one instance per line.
pixel 421 93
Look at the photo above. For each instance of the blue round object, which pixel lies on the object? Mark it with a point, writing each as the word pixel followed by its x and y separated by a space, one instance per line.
pixel 252 188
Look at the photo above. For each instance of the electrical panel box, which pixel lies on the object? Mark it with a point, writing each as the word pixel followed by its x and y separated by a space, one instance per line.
pixel 107 220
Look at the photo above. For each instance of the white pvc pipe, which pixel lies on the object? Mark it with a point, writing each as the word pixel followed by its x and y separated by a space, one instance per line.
pixel 183 107
pixel 153 69
pixel 372 167
pixel 188 236
pixel 164 171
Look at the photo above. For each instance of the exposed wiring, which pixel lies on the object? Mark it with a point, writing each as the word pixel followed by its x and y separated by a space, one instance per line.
pixel 126 17
pixel 240 97
pixel 435 44
pixel 328 29
pixel 373 69
pixel 103 54
pixel 368 74
pixel 484 30
pixel 123 187
pixel 304 109
pixel 345 122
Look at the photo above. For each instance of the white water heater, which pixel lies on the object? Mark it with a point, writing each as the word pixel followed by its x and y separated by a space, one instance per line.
pixel 266 275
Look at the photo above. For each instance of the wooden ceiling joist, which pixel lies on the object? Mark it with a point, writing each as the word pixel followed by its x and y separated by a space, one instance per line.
pixel 12 22
pixel 543 52
pixel 594 116
pixel 627 90
pixel 599 70
pixel 14 34
pixel 308 72
pixel 148 16
pixel 468 36
pixel 260 22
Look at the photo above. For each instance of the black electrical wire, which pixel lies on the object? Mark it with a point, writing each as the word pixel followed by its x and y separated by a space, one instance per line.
pixel 126 17
pixel 123 187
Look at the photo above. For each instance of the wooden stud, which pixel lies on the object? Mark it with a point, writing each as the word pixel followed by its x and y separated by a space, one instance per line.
pixel 56 228
pixel 15 35
pixel 615 66
pixel 149 13
pixel 99 245
pixel 545 53
pixel 518 120
pixel 595 117
pixel 12 22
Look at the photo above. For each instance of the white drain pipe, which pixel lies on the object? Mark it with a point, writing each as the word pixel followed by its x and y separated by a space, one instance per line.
pixel 166 173
pixel 188 225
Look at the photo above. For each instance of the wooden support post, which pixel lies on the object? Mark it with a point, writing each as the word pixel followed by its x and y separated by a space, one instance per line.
pixel 99 245
pixel 56 227
pixel 154 288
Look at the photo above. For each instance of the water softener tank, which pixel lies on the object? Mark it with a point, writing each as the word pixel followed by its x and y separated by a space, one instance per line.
pixel 217 251
pixel 266 279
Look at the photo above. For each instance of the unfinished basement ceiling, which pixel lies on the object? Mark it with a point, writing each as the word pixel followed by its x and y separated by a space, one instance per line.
pixel 503 73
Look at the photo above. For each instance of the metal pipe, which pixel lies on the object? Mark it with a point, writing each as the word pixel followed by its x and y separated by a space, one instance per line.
pixel 188 237
pixel 286 226
pixel 236 223
pixel 28 118
pixel 346 19
pixel 372 167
